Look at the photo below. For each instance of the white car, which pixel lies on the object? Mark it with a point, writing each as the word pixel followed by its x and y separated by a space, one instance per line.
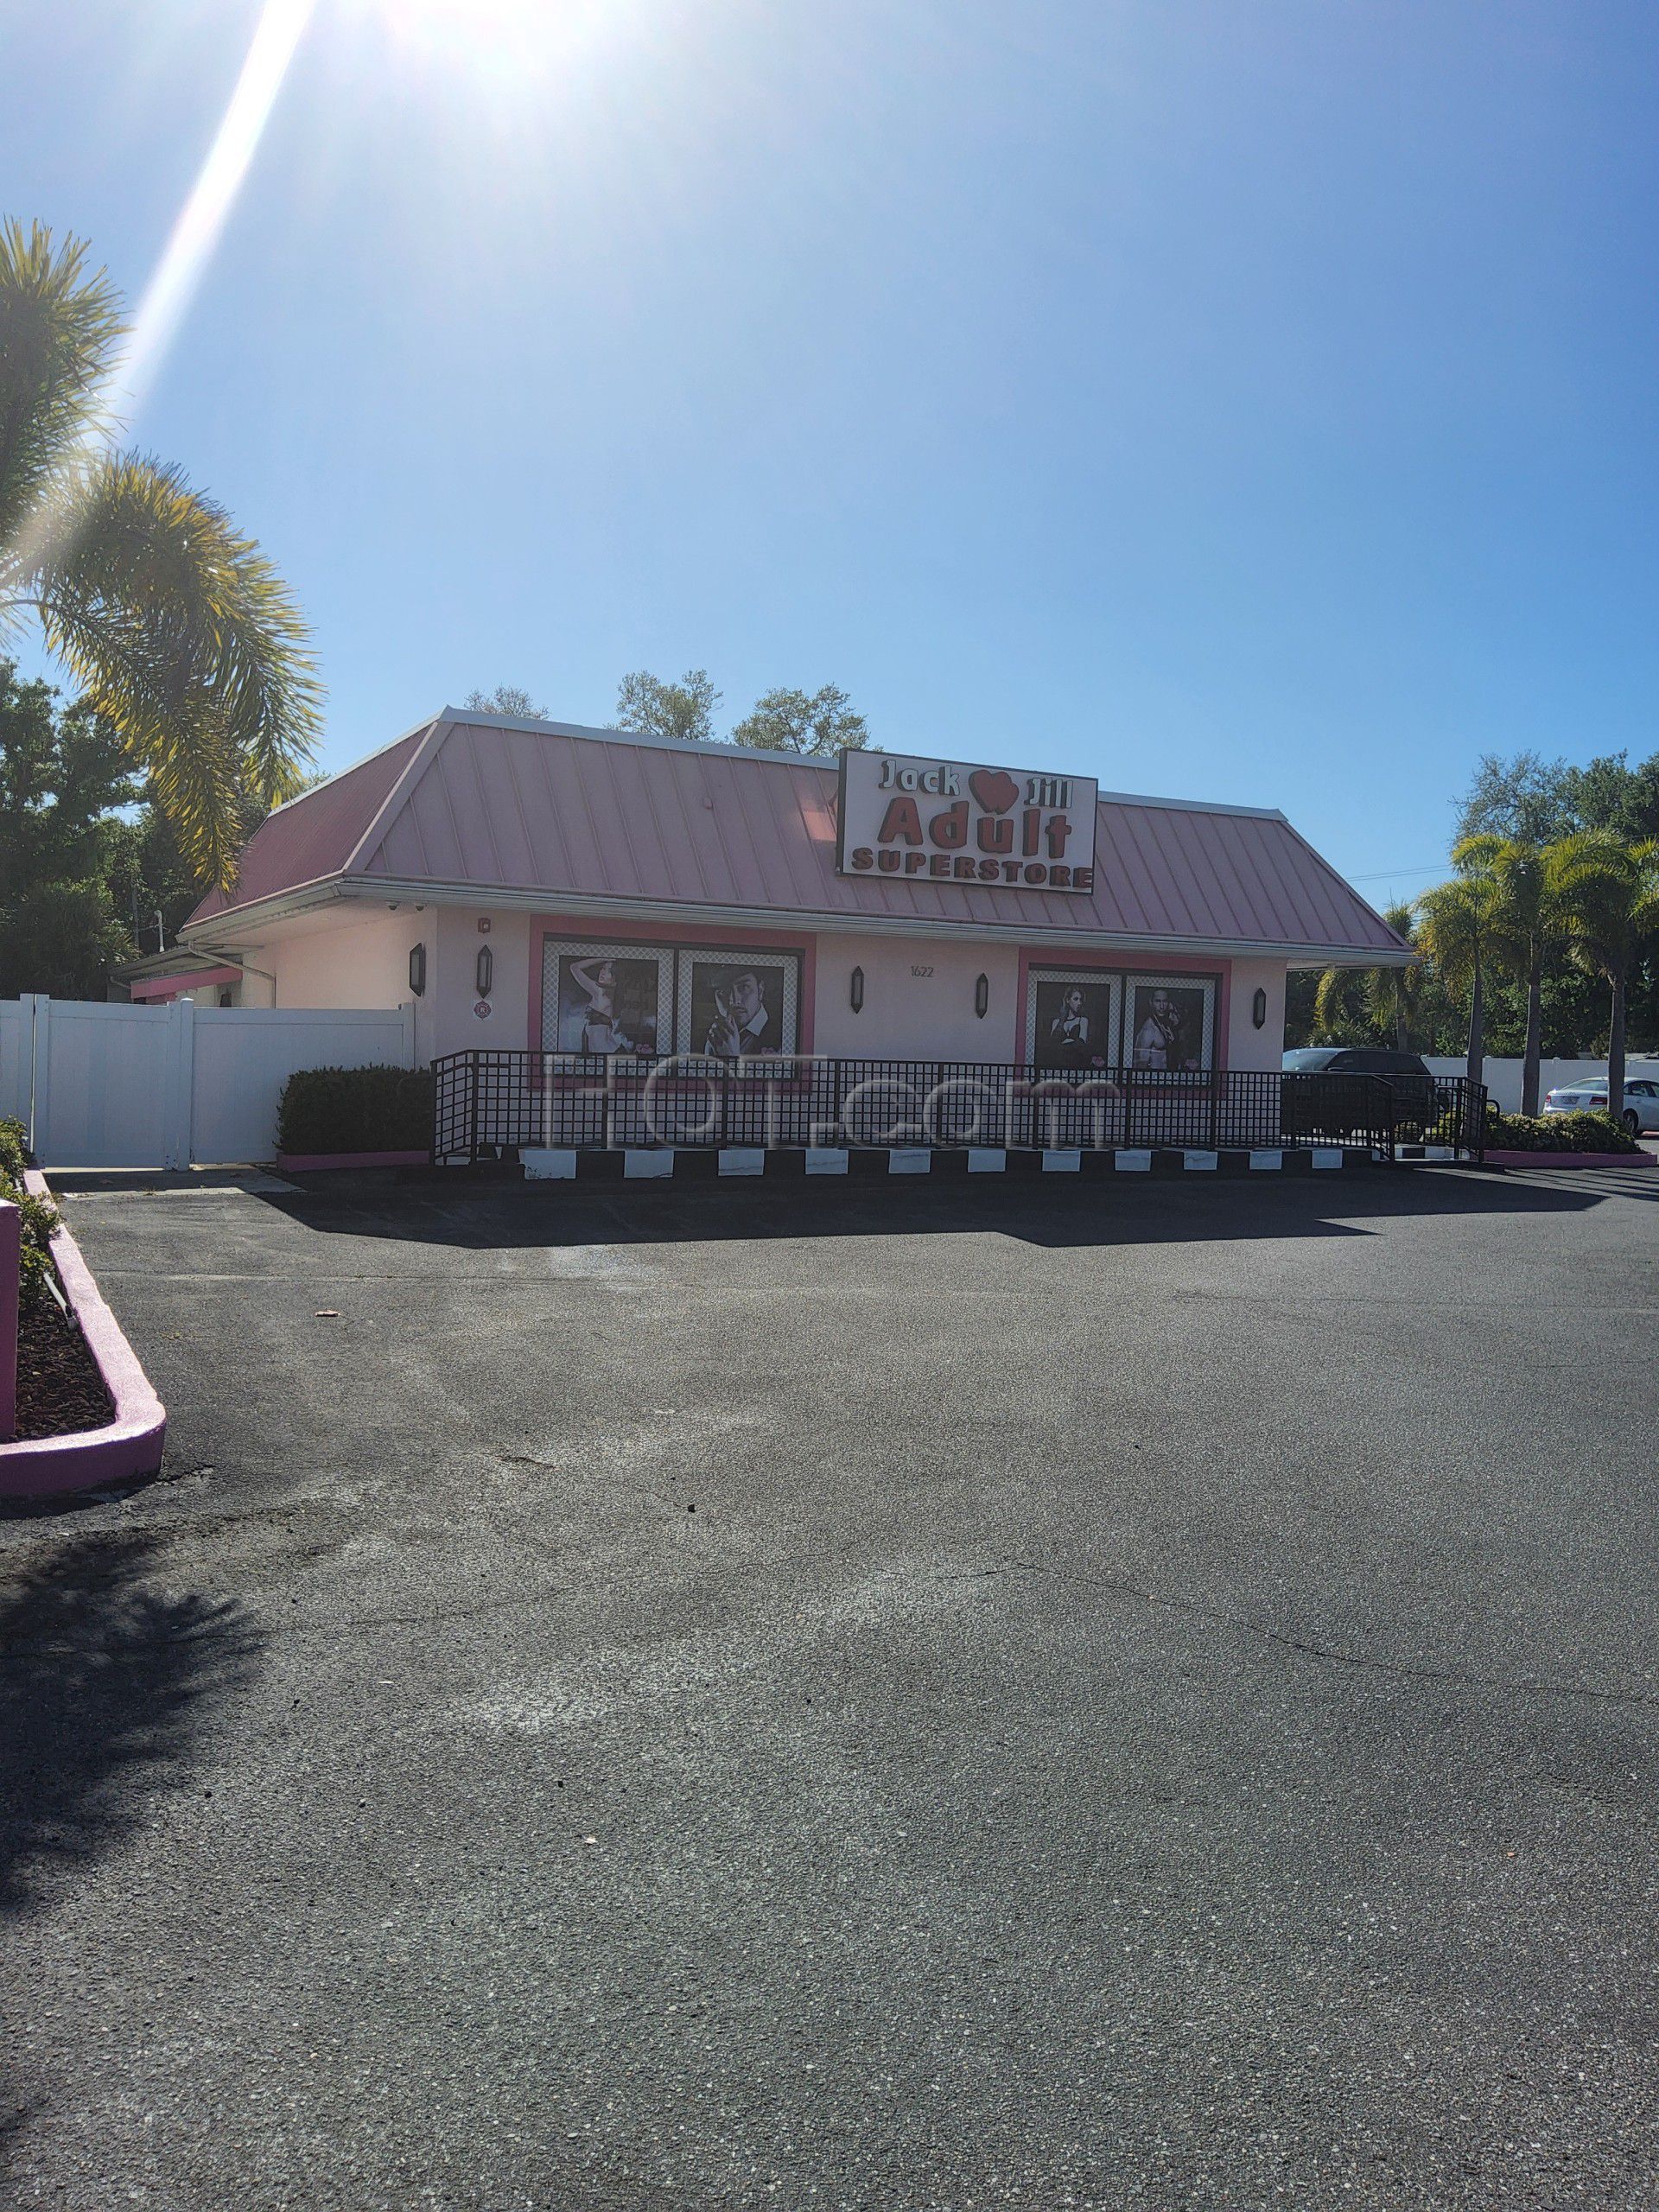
pixel 1589 1095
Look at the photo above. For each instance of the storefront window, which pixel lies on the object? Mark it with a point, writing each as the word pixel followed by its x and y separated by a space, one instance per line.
pixel 1089 1018
pixel 1170 1023
pixel 647 1000
pixel 1072 1019
pixel 605 998
pixel 736 1007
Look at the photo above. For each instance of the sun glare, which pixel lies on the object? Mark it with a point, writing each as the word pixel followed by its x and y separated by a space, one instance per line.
pixel 189 249
pixel 499 39
pixel 202 218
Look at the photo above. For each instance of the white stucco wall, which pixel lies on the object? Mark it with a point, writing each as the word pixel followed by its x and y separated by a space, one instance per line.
pixel 362 962
pixel 1246 1045
pixel 452 980
pixel 918 992
pixel 258 990
pixel 919 999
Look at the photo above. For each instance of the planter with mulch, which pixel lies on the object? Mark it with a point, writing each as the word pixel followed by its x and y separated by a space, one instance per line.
pixel 60 1387
pixel 87 1411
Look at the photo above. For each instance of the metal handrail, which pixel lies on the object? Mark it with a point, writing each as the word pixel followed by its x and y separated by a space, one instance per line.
pixel 491 1103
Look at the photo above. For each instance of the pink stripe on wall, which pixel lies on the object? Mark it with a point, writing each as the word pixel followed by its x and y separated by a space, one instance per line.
pixel 173 987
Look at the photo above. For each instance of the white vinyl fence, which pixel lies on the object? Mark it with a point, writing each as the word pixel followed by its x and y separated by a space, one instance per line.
pixel 1502 1077
pixel 161 1086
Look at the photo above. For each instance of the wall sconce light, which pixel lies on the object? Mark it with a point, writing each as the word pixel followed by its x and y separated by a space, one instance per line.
pixel 417 970
pixel 1259 1009
pixel 981 995
pixel 486 970
pixel 855 990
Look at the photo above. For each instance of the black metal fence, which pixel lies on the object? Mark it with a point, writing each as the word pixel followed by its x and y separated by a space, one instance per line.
pixel 490 1105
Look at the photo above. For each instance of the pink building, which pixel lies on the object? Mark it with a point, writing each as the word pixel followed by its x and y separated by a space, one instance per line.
pixel 539 885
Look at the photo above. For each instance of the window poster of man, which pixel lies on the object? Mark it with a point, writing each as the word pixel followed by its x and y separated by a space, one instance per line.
pixel 606 1001
pixel 1169 1025
pixel 734 1009
pixel 1074 1023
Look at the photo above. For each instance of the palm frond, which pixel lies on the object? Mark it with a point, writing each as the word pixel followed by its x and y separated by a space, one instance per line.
pixel 1332 999
pixel 1453 928
pixel 183 636
pixel 1607 892
pixel 60 324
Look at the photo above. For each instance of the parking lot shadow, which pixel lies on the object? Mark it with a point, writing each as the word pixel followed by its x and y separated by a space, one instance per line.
pixel 1055 1211
pixel 103 1684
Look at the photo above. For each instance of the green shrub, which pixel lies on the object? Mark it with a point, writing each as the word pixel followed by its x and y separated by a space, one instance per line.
pixel 39 1215
pixel 355 1110
pixel 1557 1133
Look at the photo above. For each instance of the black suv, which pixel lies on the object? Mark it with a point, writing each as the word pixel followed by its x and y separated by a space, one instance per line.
pixel 1334 1107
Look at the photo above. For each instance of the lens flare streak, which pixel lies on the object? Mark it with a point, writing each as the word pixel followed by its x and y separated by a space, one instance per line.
pixel 202 218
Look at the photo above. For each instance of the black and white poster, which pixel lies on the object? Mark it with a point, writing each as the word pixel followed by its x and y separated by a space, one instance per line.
pixel 604 999
pixel 1073 1021
pixel 1169 1025
pixel 737 1009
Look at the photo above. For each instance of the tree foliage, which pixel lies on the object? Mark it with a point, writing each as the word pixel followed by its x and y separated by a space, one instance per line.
pixel 1537 801
pixel 1537 1000
pixel 1458 928
pixel 176 627
pixel 685 709
pixel 62 777
pixel 820 722
pixel 1607 894
pixel 84 867
pixel 1608 794
pixel 801 721
pixel 506 699
pixel 1520 797
pixel 1354 1004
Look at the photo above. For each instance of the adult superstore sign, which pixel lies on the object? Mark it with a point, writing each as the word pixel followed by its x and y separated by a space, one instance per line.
pixel 948 821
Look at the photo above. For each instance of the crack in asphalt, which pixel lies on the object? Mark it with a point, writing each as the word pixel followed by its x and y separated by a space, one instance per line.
pixel 1358 1661
pixel 1400 1669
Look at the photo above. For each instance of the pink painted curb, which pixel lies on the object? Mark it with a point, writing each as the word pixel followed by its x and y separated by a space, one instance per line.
pixel 300 1161
pixel 132 1443
pixel 1495 1159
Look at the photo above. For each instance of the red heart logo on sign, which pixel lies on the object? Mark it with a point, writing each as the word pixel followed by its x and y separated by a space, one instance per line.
pixel 994 788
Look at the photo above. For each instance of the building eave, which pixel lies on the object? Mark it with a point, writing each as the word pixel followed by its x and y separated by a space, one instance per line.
pixel 237 923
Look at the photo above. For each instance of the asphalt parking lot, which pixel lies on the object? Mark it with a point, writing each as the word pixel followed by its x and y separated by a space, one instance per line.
pixel 667 1700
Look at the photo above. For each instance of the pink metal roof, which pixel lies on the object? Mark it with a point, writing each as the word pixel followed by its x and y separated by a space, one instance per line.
pixel 564 816
pixel 314 836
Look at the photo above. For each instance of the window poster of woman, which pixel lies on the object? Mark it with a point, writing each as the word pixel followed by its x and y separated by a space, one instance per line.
pixel 1072 1022
pixel 606 1001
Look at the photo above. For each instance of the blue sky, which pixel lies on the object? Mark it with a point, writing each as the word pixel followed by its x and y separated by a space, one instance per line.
pixel 1247 401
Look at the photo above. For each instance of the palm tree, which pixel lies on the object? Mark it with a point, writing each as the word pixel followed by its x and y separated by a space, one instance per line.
pixel 1455 929
pixel 1335 1004
pixel 1526 922
pixel 1382 1000
pixel 178 629
pixel 1608 893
